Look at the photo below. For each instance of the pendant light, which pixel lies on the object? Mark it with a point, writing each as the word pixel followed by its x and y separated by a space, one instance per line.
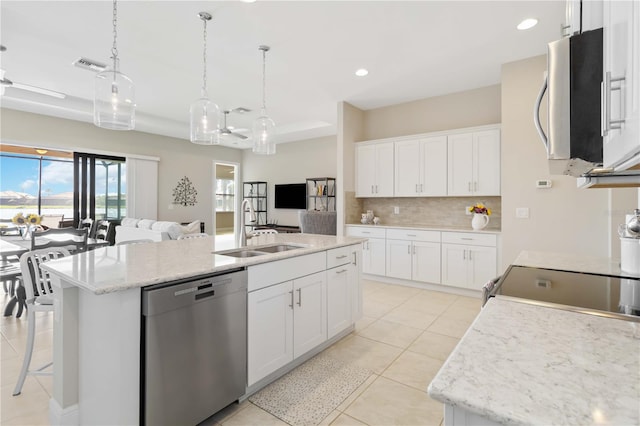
pixel 204 114
pixel 264 129
pixel 114 105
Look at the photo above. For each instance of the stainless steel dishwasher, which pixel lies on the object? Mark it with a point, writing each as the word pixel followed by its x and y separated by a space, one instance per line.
pixel 194 348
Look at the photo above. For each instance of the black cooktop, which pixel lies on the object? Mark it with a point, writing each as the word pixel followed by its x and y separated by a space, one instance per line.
pixel 590 293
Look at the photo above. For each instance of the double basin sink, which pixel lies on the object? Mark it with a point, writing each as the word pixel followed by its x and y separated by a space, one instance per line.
pixel 259 251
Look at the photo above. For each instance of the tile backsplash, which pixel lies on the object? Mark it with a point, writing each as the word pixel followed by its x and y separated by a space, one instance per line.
pixel 446 212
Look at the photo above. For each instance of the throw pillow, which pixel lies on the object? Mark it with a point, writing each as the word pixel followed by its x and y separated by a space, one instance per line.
pixel 173 229
pixel 146 223
pixel 130 222
pixel 191 228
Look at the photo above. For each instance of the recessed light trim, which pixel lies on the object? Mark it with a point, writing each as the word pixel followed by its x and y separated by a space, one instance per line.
pixel 362 72
pixel 527 24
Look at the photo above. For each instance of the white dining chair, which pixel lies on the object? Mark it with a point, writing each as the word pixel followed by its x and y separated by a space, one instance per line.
pixel 263 231
pixel 140 241
pixel 190 236
pixel 39 298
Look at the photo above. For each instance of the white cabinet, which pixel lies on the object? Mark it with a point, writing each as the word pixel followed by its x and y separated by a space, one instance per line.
pixel 421 167
pixel 344 304
pixel 373 250
pixel 474 163
pixel 374 170
pixel 582 16
pixel 621 114
pixel 468 260
pixel 285 321
pixel 413 255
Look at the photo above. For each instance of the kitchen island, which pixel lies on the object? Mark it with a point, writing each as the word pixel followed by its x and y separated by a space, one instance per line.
pixel 521 363
pixel 97 320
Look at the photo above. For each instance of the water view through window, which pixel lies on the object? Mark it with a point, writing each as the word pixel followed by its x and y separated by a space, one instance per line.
pixel 45 185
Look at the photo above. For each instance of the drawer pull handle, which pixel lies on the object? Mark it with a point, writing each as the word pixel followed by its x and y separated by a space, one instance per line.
pixel 299 297
pixel 366 232
pixel 342 271
pixel 341 257
pixel 467 239
pixel 411 235
pixel 291 304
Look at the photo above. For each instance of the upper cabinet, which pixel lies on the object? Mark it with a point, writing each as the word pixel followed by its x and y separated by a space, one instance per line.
pixel 474 163
pixel 450 163
pixel 374 170
pixel 421 167
pixel 582 16
pixel 621 84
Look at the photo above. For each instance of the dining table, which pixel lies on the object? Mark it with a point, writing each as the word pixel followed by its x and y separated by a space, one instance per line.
pixel 15 245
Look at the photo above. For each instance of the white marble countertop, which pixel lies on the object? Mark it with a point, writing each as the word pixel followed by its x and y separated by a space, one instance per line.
pixel 572 262
pixel 524 364
pixel 429 228
pixel 128 266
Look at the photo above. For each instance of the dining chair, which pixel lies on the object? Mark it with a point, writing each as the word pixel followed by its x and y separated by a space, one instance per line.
pixel 39 298
pixel 74 239
pixel 102 229
pixel 87 223
pixel 263 231
pixel 190 236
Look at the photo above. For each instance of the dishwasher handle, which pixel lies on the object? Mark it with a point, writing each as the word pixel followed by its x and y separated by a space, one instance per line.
pixel 159 299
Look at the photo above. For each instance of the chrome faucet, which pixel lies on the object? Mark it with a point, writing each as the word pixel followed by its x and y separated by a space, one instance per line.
pixel 242 239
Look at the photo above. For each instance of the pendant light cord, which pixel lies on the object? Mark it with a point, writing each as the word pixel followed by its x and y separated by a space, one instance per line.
pixel 114 48
pixel 264 76
pixel 204 58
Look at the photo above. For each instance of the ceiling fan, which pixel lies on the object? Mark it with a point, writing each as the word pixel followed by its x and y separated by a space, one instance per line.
pixel 5 82
pixel 230 131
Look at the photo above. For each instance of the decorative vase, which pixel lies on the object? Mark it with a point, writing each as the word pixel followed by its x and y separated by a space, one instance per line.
pixel 25 231
pixel 479 221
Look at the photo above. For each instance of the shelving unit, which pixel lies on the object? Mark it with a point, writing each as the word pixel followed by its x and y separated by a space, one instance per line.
pixel 321 194
pixel 256 193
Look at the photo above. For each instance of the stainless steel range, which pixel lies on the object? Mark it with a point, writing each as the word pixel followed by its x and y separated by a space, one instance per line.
pixel 604 295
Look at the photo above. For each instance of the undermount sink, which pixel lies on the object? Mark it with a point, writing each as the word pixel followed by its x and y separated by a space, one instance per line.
pixel 259 251
pixel 278 248
pixel 242 253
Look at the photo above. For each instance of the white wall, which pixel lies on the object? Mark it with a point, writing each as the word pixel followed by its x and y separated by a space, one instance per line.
pixel 178 157
pixel 293 163
pixel 563 218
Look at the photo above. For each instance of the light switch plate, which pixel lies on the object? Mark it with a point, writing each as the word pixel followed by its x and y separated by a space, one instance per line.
pixel 396 210
pixel 522 212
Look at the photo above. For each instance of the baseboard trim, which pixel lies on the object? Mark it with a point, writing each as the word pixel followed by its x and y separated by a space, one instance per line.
pixel 425 286
pixel 69 416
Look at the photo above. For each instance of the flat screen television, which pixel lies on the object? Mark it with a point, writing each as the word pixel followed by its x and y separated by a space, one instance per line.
pixel 291 196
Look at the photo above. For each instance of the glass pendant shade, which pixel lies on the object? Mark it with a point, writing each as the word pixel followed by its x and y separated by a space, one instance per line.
pixel 264 133
pixel 114 105
pixel 204 121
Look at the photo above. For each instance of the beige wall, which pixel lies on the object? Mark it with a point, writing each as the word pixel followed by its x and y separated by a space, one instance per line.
pixel 562 218
pixel 178 157
pixel 350 130
pixel 463 109
pixel 293 163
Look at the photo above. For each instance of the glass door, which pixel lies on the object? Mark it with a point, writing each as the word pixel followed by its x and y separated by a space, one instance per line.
pixel 225 205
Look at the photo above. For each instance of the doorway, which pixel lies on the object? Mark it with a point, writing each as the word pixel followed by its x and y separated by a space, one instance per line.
pixel 226 204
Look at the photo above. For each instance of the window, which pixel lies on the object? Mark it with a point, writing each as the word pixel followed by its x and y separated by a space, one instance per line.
pixel 33 183
pixel 100 181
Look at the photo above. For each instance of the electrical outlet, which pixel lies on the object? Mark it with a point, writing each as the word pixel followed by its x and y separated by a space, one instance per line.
pixel 522 212
pixel 467 210
pixel 396 210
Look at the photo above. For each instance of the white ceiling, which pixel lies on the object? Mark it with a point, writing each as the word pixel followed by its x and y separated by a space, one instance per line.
pixel 413 50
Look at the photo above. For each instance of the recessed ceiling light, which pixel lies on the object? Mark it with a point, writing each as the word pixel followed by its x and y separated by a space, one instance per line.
pixel 527 23
pixel 362 72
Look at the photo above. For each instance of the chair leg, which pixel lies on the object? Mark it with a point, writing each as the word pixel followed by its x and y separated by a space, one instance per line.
pixel 6 288
pixel 31 334
pixel 21 295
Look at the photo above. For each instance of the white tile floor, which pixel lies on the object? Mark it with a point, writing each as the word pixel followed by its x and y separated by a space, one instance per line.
pixel 404 337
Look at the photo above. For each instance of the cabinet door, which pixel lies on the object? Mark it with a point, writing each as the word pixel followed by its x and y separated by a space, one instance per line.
pixel 486 163
pixel 356 285
pixel 454 265
pixel 269 330
pixel 433 170
pixel 482 266
pixel 374 258
pixel 399 259
pixel 384 170
pixel 309 312
pixel 426 262
pixel 338 299
pixel 622 59
pixel 460 162
pixel 365 170
pixel 407 168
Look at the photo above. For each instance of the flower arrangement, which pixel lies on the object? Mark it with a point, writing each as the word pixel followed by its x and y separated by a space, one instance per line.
pixel 480 208
pixel 31 219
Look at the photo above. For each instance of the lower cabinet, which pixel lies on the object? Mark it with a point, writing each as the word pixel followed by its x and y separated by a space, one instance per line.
pixel 340 283
pixel 413 255
pixel 284 321
pixel 468 260
pixel 373 250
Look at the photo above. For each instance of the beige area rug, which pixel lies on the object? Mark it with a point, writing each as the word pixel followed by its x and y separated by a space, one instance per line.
pixel 309 393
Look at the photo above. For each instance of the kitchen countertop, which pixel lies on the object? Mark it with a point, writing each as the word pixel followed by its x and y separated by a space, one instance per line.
pixel 428 228
pixel 128 266
pixel 572 262
pixel 525 364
